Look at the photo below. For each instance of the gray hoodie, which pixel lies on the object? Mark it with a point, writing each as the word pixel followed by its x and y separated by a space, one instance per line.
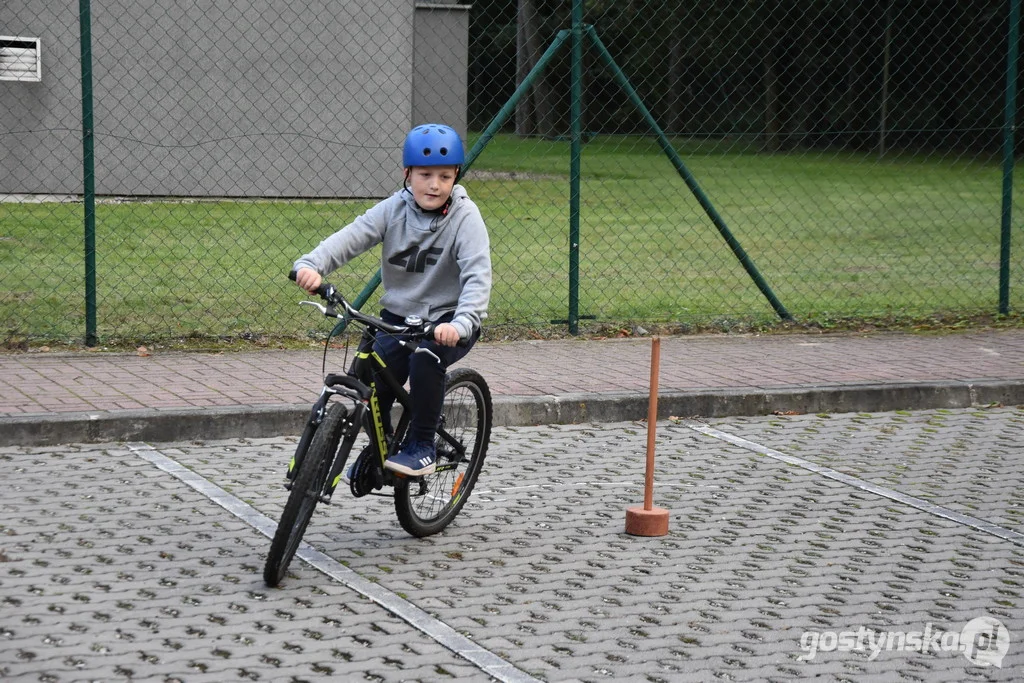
pixel 430 264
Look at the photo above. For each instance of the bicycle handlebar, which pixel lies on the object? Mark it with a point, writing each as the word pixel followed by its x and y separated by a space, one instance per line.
pixel 330 294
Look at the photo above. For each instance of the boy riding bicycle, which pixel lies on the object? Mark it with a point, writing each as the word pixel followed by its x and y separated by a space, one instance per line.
pixel 435 265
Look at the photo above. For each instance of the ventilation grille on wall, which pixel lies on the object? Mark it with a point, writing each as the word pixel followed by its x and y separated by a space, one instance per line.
pixel 19 59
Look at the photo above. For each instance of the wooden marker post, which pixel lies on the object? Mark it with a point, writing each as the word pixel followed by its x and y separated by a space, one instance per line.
pixel 649 520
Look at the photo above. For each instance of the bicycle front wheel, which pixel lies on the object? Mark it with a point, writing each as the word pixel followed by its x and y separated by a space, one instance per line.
pixel 426 505
pixel 309 482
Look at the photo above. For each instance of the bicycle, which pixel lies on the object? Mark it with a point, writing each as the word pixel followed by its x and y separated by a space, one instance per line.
pixel 348 404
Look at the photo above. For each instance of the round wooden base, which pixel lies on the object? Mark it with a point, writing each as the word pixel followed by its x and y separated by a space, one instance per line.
pixel 641 522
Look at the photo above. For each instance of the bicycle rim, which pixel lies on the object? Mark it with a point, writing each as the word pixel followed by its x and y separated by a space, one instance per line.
pixel 426 505
pixel 302 499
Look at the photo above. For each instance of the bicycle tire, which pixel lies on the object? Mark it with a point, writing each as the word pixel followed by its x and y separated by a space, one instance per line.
pixel 301 448
pixel 305 493
pixel 426 505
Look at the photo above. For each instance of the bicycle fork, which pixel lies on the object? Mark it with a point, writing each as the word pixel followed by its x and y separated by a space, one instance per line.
pixel 351 389
pixel 349 432
pixel 316 416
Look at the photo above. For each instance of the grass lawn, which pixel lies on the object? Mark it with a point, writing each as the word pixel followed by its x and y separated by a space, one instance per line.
pixel 834 235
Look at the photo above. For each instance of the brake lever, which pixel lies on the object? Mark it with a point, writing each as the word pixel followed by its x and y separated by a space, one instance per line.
pixel 321 307
pixel 327 310
pixel 421 349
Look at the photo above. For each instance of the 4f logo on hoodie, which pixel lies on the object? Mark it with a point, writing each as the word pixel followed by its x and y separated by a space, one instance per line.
pixel 415 260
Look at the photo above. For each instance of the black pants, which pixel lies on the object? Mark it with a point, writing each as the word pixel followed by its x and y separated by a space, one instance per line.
pixel 425 376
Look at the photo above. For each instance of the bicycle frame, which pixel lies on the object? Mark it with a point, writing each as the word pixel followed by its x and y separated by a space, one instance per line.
pixel 359 385
pixel 369 368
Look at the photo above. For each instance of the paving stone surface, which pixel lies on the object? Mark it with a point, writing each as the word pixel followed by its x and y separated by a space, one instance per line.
pixel 114 569
pixel 961 459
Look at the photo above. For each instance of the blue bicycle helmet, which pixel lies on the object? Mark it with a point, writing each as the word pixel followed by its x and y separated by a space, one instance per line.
pixel 432 144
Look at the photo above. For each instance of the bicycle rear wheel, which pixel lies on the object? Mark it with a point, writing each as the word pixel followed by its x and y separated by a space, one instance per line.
pixel 426 505
pixel 305 493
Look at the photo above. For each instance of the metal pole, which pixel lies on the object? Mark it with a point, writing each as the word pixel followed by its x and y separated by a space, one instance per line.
pixel 652 423
pixel 88 173
pixel 690 180
pixel 575 114
pixel 649 520
pixel 1009 126
pixel 886 55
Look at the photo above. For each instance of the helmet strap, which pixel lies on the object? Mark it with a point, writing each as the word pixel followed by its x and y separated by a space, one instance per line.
pixel 444 207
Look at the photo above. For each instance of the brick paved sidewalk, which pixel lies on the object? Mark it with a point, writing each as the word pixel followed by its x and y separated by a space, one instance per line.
pixel 533 382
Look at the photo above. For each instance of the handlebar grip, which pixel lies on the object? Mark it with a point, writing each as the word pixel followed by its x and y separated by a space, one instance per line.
pixel 428 333
pixel 324 291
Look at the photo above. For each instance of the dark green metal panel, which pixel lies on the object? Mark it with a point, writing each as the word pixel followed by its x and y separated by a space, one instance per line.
pixel 88 172
pixel 1009 142
pixel 575 114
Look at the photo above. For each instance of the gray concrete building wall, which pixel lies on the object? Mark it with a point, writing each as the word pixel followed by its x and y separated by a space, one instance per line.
pixel 440 59
pixel 41 122
pixel 280 99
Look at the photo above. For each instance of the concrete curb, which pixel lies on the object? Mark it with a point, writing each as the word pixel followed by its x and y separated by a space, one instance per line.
pixel 258 421
pixel 577 408
pixel 184 424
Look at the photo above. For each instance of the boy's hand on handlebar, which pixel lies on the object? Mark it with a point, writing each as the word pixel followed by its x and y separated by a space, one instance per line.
pixel 308 279
pixel 446 334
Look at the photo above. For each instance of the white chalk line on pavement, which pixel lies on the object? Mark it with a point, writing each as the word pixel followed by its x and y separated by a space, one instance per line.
pixel 441 632
pixel 920 504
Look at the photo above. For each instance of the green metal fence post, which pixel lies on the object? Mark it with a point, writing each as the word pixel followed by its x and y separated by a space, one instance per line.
pixel 690 180
pixel 575 114
pixel 88 172
pixel 1009 124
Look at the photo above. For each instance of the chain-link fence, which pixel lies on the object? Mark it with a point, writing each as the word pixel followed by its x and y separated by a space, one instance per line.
pixel 692 164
